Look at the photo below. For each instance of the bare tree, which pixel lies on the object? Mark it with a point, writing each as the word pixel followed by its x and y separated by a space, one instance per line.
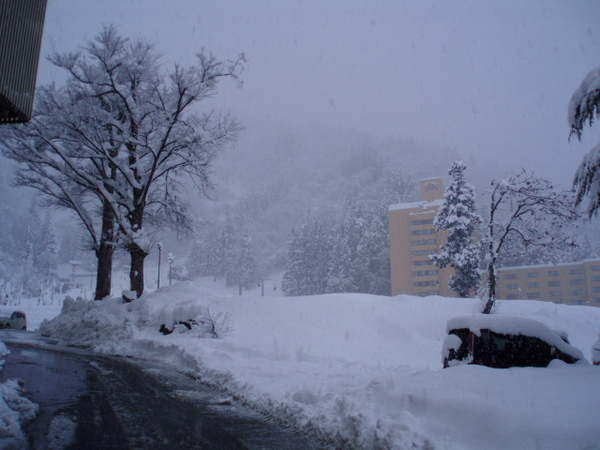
pixel 48 157
pixel 126 137
pixel 527 209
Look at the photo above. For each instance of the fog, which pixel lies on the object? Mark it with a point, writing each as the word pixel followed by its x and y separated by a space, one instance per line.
pixel 491 80
pixel 336 92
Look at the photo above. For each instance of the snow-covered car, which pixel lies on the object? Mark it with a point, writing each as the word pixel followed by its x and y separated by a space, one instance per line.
pixel 596 352
pixel 504 341
pixel 16 321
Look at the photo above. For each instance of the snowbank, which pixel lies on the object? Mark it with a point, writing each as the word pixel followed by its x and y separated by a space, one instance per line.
pixel 15 410
pixel 357 370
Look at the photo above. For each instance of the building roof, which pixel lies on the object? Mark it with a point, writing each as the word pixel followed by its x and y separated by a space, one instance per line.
pixel 547 266
pixel 423 205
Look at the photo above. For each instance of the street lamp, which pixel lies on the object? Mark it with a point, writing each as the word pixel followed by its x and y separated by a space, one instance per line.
pixel 159 245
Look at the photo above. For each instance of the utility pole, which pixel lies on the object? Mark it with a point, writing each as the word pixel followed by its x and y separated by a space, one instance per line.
pixel 159 245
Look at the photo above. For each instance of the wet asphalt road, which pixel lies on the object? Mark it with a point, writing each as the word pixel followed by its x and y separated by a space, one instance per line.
pixel 119 403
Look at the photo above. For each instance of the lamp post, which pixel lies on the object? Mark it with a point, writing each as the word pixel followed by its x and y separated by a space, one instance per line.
pixel 74 265
pixel 159 245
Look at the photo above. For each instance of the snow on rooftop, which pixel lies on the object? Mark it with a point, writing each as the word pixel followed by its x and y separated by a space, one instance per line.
pixel 424 205
pixel 547 266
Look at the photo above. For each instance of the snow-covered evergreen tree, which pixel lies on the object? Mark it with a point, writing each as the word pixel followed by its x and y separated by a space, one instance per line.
pixel 398 188
pixel 295 277
pixel 308 256
pixel 245 263
pixel 458 215
pixel 584 107
pixel 46 259
pixel 349 259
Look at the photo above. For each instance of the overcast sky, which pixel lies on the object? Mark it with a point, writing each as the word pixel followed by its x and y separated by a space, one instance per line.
pixel 489 78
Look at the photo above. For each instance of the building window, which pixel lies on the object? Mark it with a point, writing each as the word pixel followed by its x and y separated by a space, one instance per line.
pixel 426 283
pixel 427 231
pixel 431 186
pixel 595 268
pixel 512 297
pixel 510 276
pixel 577 291
pixel 596 289
pixel 576 271
pixel 427 293
pixel 596 278
pixel 533 295
pixel 578 302
pixel 554 283
pixel 422 222
pixel 553 273
pixel 425 242
pixel 425 273
pixel 424 252
pixel 555 293
pixel 532 275
pixel 597 299
pixel 424 262
pixel 576 282
pixel 512 286
pixel 533 285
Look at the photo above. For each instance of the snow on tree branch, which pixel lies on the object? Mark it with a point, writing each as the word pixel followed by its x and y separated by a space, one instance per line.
pixel 584 107
pixel 526 209
pixel 120 133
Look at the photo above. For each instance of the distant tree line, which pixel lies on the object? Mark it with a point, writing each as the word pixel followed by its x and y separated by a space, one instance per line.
pixel 28 254
pixel 225 251
pixel 351 255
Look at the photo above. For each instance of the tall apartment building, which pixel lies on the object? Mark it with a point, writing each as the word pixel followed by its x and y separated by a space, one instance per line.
pixel 413 238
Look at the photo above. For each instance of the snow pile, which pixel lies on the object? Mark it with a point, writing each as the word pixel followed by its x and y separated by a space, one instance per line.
pixel 362 371
pixel 15 410
pixel 61 433
pixel 85 323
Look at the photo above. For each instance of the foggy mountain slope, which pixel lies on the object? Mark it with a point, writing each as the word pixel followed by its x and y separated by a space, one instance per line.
pixel 272 182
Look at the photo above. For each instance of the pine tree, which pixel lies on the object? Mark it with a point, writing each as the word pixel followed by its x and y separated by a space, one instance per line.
pixel 350 256
pixel 245 262
pixel 294 278
pixel 584 108
pixel 378 248
pixel 46 256
pixel 458 215
pixel 308 256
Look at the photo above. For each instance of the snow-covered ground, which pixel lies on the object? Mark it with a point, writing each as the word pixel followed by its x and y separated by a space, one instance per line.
pixel 359 370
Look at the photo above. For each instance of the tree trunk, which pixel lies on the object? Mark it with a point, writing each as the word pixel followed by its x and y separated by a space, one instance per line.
pixel 491 288
pixel 105 254
pixel 104 271
pixel 136 272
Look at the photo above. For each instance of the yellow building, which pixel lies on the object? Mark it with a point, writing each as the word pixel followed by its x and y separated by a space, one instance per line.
pixel 413 238
pixel 571 283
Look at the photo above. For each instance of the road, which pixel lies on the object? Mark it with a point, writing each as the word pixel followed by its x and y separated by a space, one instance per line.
pixel 122 403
